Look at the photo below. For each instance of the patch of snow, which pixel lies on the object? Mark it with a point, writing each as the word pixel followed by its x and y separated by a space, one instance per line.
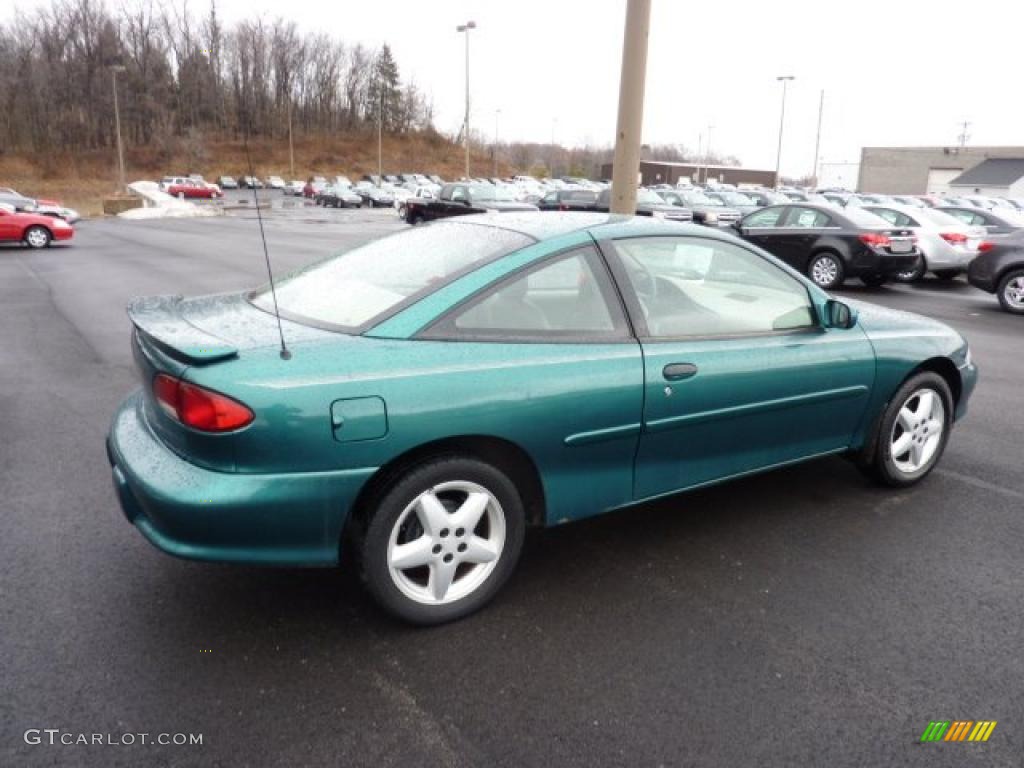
pixel 158 204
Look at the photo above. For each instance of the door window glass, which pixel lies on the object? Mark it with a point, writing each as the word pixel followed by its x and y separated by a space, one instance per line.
pixel 701 287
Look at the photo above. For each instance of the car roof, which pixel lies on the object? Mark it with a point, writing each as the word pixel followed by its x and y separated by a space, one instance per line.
pixel 544 225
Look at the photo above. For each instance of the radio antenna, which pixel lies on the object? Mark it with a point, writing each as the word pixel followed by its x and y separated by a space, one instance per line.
pixel 285 353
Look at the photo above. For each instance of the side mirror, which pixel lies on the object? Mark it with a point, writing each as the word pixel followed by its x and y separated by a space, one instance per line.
pixel 839 315
pixel 467 202
pixel 737 225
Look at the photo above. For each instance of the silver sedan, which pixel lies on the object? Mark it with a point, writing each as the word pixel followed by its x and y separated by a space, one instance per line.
pixel 947 245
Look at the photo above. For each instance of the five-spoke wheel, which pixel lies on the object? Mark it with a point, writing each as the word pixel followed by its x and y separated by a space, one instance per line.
pixel 442 539
pixel 913 431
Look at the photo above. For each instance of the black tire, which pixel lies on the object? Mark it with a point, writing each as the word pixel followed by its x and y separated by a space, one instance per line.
pixel 1002 292
pixel 828 277
pixel 874 281
pixel 388 509
pixel 882 466
pixel 946 274
pixel 913 275
pixel 38 237
pixel 415 219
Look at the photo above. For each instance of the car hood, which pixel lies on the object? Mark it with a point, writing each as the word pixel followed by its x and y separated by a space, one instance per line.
pixel 207 329
pixel 880 321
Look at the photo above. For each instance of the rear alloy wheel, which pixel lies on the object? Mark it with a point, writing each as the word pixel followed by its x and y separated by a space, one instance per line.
pixel 443 540
pixel 826 270
pixel 1011 292
pixel 914 430
pixel 37 237
pixel 874 281
pixel 915 274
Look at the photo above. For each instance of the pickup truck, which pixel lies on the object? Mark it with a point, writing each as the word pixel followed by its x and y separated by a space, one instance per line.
pixel 647 204
pixel 458 200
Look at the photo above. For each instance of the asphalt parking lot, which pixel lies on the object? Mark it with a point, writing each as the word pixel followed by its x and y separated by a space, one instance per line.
pixel 799 618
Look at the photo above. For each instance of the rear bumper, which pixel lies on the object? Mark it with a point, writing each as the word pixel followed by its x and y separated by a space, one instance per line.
pixel 199 514
pixel 869 262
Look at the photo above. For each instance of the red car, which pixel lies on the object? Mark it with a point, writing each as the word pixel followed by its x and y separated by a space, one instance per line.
pixel 33 230
pixel 193 189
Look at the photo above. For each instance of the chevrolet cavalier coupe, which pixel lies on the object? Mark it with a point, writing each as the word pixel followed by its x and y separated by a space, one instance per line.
pixel 446 387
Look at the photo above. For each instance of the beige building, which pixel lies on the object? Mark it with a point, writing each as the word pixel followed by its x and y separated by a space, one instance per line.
pixel 922 170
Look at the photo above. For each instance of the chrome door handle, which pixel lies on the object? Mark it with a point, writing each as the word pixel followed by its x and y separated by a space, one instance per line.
pixel 679 371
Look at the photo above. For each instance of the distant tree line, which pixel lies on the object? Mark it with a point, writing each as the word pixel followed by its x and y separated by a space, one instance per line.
pixel 179 74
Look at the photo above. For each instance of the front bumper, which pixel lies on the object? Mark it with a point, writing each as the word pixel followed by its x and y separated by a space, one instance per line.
pixel 195 513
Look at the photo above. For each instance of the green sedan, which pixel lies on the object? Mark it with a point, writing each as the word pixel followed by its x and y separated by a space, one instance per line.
pixel 444 388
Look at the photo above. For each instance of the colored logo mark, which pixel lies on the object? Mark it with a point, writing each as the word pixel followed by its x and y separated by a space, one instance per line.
pixel 958 730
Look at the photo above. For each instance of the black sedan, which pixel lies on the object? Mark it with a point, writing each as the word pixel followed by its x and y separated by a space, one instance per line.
pixel 460 199
pixel 999 268
pixel 997 223
pixel 568 200
pixel 829 245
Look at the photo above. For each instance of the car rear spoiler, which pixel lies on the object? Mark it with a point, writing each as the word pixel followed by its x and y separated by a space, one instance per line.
pixel 160 320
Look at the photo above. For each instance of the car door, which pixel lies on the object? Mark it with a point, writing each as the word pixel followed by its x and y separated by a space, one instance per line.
pixel 545 358
pixel 739 374
pixel 797 234
pixel 761 227
pixel 9 227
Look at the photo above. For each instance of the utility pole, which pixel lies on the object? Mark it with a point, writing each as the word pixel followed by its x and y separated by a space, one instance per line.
pixel 626 164
pixel 117 123
pixel 380 138
pixel 291 144
pixel 817 140
pixel 964 136
pixel 784 79
pixel 465 28
pixel 497 114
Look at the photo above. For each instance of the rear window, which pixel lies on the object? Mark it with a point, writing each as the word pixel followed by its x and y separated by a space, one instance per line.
pixel 861 218
pixel 350 291
pixel 939 217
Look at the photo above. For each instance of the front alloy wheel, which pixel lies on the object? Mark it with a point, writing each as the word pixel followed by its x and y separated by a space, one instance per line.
pixel 826 270
pixel 914 430
pixel 37 237
pixel 443 540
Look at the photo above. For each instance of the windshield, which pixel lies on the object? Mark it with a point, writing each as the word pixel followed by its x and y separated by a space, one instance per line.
pixel 862 218
pixel 699 198
pixel 349 290
pixel 648 197
pixel 735 198
pixel 482 192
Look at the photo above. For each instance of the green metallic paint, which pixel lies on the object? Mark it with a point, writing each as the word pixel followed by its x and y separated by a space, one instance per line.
pixel 594 418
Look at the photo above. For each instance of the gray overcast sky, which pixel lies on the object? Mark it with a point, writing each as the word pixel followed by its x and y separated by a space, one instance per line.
pixel 894 71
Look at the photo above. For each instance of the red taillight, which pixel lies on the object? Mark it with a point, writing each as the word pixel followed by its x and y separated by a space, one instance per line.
pixel 199 408
pixel 875 239
pixel 986 246
pixel 954 238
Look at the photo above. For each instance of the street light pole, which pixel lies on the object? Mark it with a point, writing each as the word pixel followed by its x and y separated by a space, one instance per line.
pixel 784 79
pixel 464 28
pixel 817 140
pixel 707 155
pixel 626 164
pixel 117 122
pixel 380 138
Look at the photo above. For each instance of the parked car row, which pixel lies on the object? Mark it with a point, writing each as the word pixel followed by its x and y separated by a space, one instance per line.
pixel 15 201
